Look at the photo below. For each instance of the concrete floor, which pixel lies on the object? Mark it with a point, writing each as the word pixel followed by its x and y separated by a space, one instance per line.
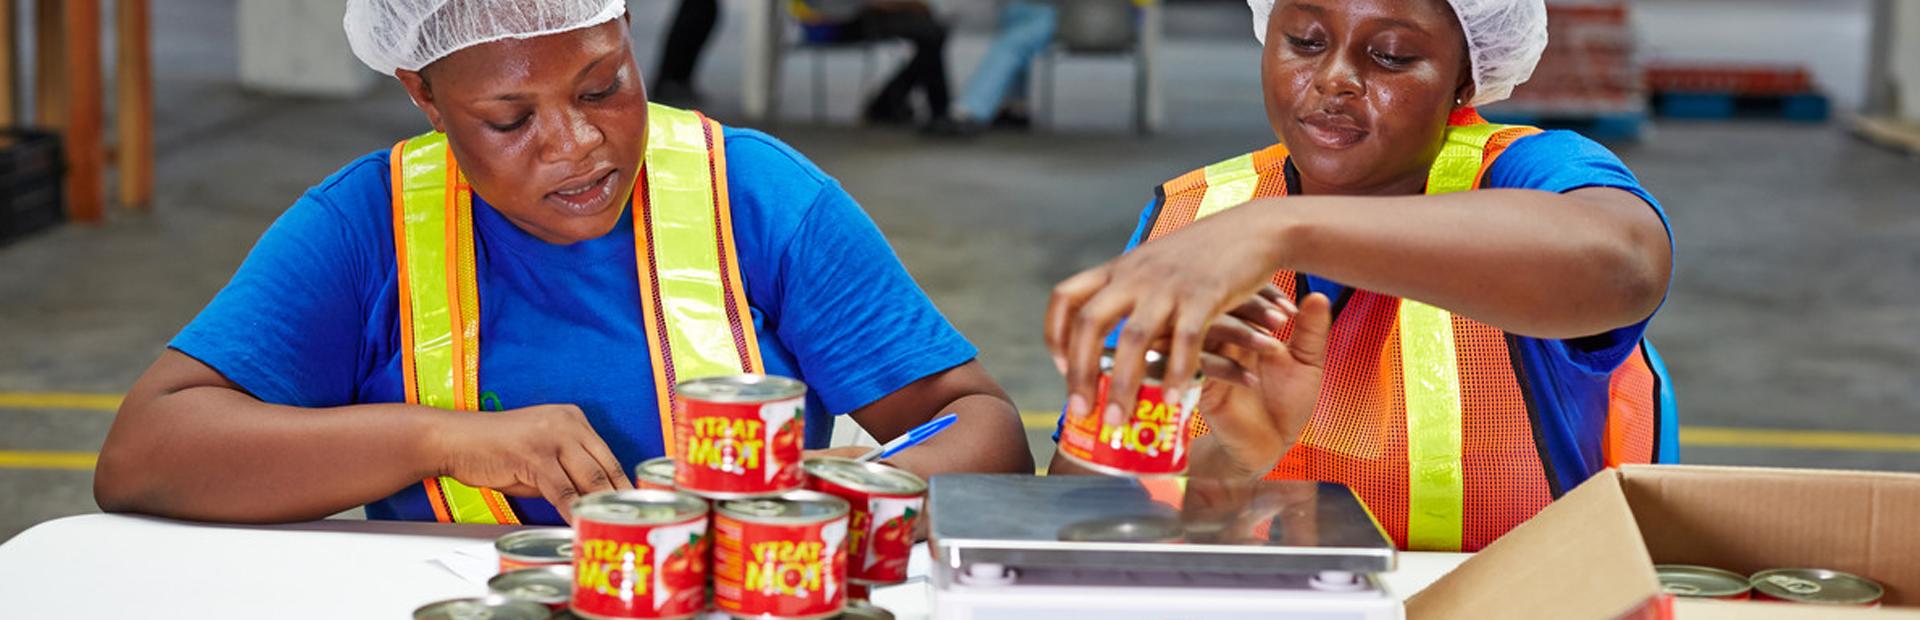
pixel 1792 308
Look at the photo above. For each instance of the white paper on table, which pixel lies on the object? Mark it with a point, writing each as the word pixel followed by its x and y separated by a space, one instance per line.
pixel 474 563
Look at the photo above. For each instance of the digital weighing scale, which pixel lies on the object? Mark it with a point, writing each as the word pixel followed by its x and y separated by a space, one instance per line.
pixel 1017 547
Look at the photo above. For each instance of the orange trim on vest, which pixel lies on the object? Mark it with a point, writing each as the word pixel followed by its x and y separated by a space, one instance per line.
pixel 408 379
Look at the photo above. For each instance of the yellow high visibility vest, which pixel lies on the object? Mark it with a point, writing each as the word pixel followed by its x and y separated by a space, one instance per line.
pixel 693 297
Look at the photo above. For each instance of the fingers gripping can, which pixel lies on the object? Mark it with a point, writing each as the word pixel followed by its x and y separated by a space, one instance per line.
pixel 639 554
pixel 885 504
pixel 656 473
pixel 740 435
pixel 551 546
pixel 1150 440
pixel 781 557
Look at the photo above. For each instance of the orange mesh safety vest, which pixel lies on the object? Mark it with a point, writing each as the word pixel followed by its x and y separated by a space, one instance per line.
pixel 1420 411
pixel 694 299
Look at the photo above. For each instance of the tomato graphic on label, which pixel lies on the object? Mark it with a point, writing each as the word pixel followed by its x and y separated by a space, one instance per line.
pixel 788 437
pixel 893 541
pixel 686 567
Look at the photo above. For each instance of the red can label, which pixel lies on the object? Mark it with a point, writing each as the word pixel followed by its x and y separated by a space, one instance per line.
pixel 738 449
pixel 880 532
pixel 508 565
pixel 783 571
pixel 1151 440
pixel 640 571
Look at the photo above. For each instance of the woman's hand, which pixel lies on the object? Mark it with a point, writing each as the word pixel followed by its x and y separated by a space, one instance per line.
pixel 545 451
pixel 1256 416
pixel 1173 288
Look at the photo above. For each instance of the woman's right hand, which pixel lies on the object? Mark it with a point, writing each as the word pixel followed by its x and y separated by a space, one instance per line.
pixel 1255 416
pixel 547 451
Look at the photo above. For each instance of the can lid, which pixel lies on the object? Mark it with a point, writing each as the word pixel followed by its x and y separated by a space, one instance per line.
pixel 1817 585
pixel 741 388
pixel 789 507
pixel 1155 370
pixel 1699 581
pixel 482 608
pixel 541 584
pixel 547 543
pixel 1138 528
pixel 639 506
pixel 863 610
pixel 863 476
pixel 655 469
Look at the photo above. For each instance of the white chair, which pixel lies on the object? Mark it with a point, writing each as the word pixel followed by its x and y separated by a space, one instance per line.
pixel 1097 28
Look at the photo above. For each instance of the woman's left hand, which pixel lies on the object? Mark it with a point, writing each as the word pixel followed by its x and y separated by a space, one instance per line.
pixel 1171 289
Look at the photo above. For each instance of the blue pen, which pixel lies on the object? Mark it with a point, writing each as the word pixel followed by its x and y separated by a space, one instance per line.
pixel 912 438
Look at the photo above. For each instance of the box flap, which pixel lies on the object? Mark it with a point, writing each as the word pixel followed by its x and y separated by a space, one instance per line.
pixel 1724 610
pixel 1747 519
pixel 1581 557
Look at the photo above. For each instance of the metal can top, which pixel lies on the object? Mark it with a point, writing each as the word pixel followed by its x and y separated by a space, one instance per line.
pixel 1817 585
pixel 1699 581
pixel 540 545
pixel 1137 529
pixel 1156 368
pixel 638 507
pixel 487 608
pixel 863 610
pixel 873 478
pixel 741 388
pixel 655 470
pixel 790 508
pixel 547 585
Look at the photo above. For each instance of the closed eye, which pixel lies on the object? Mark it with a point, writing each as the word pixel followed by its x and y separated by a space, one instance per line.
pixel 604 92
pixel 1393 61
pixel 1306 45
pixel 510 127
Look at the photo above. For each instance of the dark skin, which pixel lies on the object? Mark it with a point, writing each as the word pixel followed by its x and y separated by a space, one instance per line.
pixel 526 119
pixel 1360 92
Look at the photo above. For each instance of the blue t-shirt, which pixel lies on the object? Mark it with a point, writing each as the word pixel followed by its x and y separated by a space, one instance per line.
pixel 311 319
pixel 1567 379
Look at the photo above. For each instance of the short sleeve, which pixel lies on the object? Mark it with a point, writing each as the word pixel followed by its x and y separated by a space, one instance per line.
pixel 1561 162
pixel 288 326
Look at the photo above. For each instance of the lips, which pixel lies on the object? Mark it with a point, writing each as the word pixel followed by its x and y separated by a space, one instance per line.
pixel 1332 131
pixel 585 195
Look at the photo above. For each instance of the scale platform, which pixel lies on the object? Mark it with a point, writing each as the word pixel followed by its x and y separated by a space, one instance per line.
pixel 1016 546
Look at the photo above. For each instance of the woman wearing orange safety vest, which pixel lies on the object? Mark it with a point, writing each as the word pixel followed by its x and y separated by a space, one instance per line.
pixel 1444 314
pixel 488 319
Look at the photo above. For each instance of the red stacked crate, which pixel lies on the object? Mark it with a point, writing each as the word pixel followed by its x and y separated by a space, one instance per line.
pixel 1588 79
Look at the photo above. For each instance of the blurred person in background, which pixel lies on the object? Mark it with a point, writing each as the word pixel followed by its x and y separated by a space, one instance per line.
pixel 486 321
pixel 680 51
pixel 996 95
pixel 913 21
pixel 1444 314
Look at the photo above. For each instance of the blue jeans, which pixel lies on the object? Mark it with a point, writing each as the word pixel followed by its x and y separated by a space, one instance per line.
pixel 1026 28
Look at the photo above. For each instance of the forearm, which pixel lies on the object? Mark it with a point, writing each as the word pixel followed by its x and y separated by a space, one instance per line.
pixel 1530 262
pixel 986 437
pixel 217 454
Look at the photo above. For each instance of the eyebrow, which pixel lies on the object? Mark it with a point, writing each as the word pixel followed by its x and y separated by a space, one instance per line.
pixel 583 72
pixel 1319 11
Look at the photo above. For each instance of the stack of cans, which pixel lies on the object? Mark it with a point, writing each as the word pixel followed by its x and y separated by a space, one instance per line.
pixel 1812 586
pixel 738 523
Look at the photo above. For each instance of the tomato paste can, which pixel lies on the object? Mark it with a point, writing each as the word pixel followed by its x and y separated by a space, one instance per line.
pixel 1817 586
pixel 551 546
pixel 1690 581
pixel 547 585
pixel 859 592
pixel 1151 439
pixel 640 553
pixel 886 503
pixel 490 607
pixel 781 557
pixel 655 473
pixel 741 435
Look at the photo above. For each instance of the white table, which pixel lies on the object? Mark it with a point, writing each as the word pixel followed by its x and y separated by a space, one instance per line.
pixel 116 566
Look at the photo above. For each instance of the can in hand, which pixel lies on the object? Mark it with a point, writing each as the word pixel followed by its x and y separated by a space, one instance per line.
pixel 1151 439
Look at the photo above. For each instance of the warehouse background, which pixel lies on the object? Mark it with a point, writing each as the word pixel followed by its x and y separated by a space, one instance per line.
pixel 1790 328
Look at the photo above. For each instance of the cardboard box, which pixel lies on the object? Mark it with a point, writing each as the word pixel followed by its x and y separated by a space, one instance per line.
pixel 1591 554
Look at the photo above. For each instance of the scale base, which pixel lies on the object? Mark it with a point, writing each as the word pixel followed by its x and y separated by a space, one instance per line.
pixel 1052 594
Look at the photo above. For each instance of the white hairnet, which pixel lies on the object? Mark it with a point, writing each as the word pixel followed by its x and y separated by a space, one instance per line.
pixel 1504 41
pixel 410 34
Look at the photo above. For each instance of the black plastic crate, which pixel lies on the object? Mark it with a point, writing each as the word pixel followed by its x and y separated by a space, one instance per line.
pixel 31 169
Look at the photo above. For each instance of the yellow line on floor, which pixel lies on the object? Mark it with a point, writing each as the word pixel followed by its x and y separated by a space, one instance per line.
pixel 59 400
pixel 1702 436
pixel 47 460
pixel 1716 437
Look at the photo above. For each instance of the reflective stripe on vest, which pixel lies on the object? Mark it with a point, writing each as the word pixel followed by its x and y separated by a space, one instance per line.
pixel 1422 412
pixel 694 298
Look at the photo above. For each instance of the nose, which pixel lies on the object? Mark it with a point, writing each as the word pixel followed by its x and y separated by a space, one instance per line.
pixel 1338 76
pixel 573 139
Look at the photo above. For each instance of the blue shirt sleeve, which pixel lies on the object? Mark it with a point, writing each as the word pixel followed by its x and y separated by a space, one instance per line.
pixel 1564 161
pixel 287 327
pixel 858 326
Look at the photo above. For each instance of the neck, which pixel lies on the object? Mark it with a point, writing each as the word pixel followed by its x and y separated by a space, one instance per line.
pixel 1411 185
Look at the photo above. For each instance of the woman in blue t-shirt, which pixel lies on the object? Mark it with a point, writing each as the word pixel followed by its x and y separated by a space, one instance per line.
pixel 285 400
pixel 1465 302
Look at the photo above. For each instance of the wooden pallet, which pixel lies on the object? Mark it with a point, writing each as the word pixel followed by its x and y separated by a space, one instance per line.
pixel 1903 136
